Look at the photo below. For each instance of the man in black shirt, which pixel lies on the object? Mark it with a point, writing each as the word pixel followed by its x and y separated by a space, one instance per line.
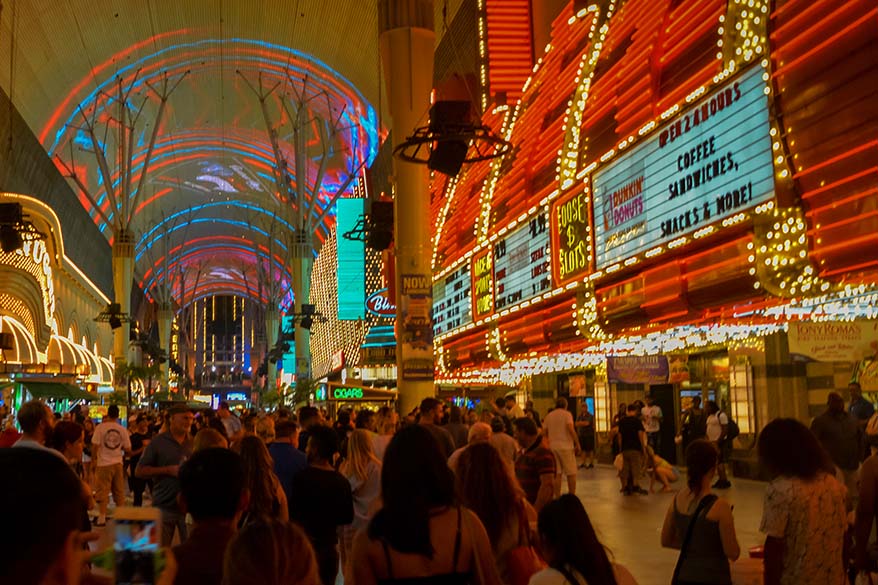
pixel 431 414
pixel 140 438
pixel 323 500
pixel 633 451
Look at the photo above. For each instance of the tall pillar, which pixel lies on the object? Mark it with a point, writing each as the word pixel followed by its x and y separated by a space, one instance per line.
pixel 272 324
pixel 123 277
pixel 407 40
pixel 303 260
pixel 165 319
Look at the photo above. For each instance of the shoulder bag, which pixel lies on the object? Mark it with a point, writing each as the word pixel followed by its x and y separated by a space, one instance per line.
pixel 523 560
pixel 703 505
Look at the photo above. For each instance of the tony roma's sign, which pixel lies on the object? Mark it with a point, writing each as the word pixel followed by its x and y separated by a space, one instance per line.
pixel 707 164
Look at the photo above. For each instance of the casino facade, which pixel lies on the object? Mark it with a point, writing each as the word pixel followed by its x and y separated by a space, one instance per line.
pixel 689 207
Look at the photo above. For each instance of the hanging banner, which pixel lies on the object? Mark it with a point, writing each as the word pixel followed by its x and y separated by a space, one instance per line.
pixel 638 369
pixel 833 341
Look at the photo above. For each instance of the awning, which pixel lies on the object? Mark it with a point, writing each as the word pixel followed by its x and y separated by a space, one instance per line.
pixel 57 390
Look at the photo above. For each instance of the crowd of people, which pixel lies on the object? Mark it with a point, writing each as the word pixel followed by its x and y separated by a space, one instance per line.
pixel 435 496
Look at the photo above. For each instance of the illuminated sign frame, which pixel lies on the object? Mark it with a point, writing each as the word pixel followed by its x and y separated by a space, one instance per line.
pixel 522 263
pixel 571 247
pixel 482 278
pixel 709 163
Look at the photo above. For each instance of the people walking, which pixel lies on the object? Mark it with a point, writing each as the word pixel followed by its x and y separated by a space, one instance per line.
pixel 632 439
pixel 110 443
pixel 564 443
pixel 803 516
pixel 652 423
pixel 421 534
pixel 322 500
pixel 717 426
pixel 535 465
pixel 161 462
pixel 585 429
pixel 363 471
pixel 842 437
pixel 572 549
pixel 487 488
pixel 699 524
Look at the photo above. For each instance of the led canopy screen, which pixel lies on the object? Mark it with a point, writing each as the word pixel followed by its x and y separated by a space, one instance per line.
pixel 708 164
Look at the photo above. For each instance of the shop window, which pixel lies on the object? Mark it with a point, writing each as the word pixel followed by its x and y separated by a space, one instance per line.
pixel 741 395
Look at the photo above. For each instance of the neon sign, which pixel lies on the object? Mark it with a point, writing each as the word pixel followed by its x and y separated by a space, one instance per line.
pixel 379 304
pixel 570 236
pixel 347 393
pixel 483 283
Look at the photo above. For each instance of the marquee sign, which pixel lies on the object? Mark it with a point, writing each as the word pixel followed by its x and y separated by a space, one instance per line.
pixel 571 255
pixel 708 164
pixel 521 264
pixel 483 284
pixel 452 304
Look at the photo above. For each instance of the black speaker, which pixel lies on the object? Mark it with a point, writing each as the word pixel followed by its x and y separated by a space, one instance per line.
pixel 115 322
pixel 10 239
pixel 448 156
pixel 447 120
pixel 11 213
pixel 380 234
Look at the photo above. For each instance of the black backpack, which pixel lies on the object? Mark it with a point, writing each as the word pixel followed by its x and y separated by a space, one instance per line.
pixel 732 428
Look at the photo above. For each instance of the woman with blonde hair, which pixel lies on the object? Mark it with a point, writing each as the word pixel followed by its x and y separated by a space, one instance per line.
pixel 363 470
pixel 386 425
pixel 270 552
pixel 267 497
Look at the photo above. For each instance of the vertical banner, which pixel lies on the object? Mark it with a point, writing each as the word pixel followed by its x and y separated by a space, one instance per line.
pixel 416 326
pixel 351 262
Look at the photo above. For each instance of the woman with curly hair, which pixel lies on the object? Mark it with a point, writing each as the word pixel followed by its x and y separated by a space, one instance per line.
pixel 267 498
pixel 487 488
pixel 804 517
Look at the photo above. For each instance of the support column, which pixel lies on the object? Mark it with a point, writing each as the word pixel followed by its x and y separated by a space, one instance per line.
pixel 407 40
pixel 272 324
pixel 165 319
pixel 303 260
pixel 123 277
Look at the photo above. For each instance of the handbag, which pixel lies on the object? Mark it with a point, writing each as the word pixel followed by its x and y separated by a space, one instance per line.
pixel 690 529
pixel 523 560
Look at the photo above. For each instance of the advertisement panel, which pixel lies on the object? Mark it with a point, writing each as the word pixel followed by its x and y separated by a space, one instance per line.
pixel 350 261
pixel 571 256
pixel 521 264
pixel 416 326
pixel 483 284
pixel 638 369
pixel 834 341
pixel 708 164
pixel 452 300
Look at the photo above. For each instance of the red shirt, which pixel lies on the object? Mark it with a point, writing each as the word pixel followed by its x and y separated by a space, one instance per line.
pixel 8 437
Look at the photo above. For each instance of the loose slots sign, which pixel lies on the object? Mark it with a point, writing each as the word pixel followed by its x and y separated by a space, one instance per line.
pixel 709 163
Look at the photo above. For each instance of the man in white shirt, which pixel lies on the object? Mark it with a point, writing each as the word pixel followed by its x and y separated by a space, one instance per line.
pixel 652 424
pixel 564 443
pixel 109 445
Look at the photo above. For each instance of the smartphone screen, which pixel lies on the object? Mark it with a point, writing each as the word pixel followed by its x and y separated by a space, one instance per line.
pixel 135 550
